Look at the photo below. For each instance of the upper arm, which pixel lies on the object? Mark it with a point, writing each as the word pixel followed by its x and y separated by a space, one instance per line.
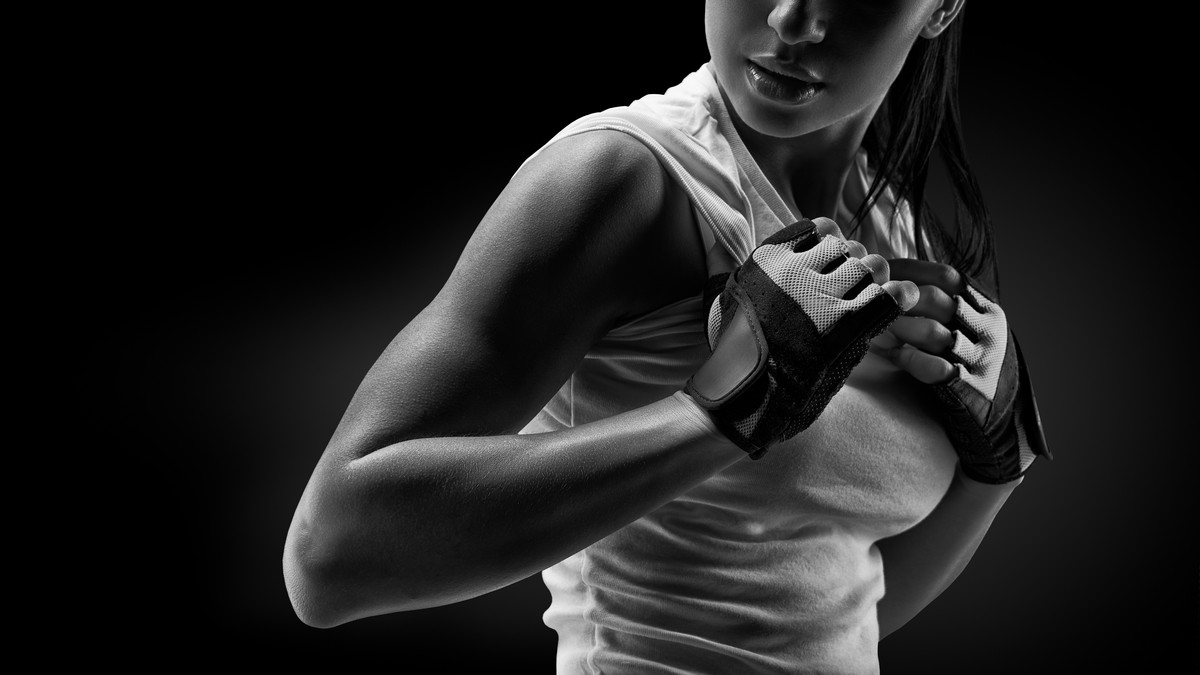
pixel 587 234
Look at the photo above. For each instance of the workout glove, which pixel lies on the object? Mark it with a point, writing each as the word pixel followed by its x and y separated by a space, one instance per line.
pixel 785 332
pixel 990 412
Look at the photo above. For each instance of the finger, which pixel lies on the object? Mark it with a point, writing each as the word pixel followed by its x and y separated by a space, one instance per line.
pixel 925 367
pixel 855 249
pixel 925 334
pixel 885 342
pixel 856 274
pixel 826 226
pixel 935 304
pixel 926 273
pixel 905 293
pixel 877 266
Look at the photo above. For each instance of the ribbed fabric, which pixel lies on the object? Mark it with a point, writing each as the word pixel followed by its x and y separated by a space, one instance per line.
pixel 770 566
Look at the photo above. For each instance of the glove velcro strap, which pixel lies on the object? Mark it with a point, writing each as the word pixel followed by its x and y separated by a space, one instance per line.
pixel 986 455
pixel 731 385
pixel 1026 410
pixel 997 450
pixel 738 360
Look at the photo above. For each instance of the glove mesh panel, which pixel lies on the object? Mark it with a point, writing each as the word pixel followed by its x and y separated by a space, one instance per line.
pixel 981 359
pixel 819 295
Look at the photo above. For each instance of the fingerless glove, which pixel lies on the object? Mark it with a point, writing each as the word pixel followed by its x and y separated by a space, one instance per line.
pixel 785 331
pixel 989 409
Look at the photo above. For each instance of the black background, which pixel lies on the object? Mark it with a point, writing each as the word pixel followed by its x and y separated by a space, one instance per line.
pixel 285 191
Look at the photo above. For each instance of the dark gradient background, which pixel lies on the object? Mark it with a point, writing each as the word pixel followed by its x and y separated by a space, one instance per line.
pixel 305 184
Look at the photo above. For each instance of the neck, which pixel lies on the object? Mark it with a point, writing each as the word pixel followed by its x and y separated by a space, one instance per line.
pixel 809 172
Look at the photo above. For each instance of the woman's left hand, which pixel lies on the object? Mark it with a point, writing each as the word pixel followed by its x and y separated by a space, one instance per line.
pixel 957 340
pixel 922 339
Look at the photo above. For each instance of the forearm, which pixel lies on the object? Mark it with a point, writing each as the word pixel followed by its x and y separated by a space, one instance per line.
pixel 432 521
pixel 922 562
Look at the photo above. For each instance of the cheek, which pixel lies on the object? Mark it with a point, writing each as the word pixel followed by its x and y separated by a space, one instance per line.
pixel 870 72
pixel 721 27
pixel 878 39
pixel 726 32
pixel 873 73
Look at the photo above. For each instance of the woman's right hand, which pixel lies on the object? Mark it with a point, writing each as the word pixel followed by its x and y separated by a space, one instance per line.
pixel 789 326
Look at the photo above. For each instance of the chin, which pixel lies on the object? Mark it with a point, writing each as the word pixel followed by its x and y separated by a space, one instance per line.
pixel 775 123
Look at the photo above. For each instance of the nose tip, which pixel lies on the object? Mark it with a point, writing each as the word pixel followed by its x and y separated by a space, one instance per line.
pixel 796 22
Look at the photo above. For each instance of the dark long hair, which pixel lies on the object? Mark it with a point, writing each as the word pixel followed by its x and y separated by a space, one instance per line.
pixel 920 114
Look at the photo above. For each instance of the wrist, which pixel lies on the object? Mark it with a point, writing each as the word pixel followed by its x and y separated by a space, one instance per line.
pixel 701 418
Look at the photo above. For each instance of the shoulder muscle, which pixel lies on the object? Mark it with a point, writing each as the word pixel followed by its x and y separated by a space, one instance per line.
pixel 589 233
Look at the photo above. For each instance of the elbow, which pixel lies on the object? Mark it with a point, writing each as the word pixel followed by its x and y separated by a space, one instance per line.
pixel 312 588
pixel 337 568
pixel 323 595
pixel 308 597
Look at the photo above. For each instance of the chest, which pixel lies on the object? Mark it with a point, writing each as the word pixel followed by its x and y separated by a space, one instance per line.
pixel 876 457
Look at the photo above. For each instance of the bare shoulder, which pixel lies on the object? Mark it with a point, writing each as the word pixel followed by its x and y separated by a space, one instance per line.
pixel 598 206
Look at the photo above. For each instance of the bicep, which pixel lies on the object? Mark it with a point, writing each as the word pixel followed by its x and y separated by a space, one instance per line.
pixel 557 260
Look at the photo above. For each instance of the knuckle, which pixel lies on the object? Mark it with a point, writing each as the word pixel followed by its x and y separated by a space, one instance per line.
pixel 944 337
pixel 948 277
pixel 948 372
pixel 857 250
pixel 827 226
pixel 910 294
pixel 938 302
pixel 933 332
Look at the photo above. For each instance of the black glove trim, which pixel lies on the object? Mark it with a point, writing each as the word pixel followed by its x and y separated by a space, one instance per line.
pixel 1026 407
pixel 990 452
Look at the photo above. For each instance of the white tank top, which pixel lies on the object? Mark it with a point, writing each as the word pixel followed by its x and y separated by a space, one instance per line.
pixel 770 565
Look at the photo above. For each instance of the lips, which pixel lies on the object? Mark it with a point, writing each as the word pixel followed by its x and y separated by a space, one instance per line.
pixel 781 87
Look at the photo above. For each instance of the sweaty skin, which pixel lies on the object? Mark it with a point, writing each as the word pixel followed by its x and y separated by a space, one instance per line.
pixel 426 495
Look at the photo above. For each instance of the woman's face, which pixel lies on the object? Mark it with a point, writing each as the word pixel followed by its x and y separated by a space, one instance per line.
pixel 791 67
